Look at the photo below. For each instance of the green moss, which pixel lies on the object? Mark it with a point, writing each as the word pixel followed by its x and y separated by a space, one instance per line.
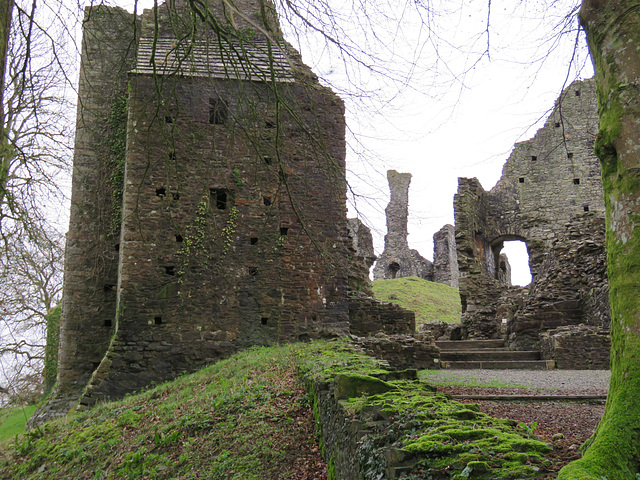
pixel 356 385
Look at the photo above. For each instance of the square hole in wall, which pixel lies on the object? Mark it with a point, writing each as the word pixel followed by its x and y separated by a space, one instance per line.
pixel 266 201
pixel 116 247
pixel 157 320
pixel 533 158
pixel 585 208
pixel 521 180
pixel 170 270
pixel 253 271
pixel 569 155
pixel 218 111
pixel 284 231
pixel 179 237
pixel 576 181
pixel 557 124
pixel 161 192
pixel 108 323
pixel 168 119
pixel 264 320
pixel 221 198
pixel 577 93
pixel 172 156
pixel 253 240
pixel 176 196
pixel 267 160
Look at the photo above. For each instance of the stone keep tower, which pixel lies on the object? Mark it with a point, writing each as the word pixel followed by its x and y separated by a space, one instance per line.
pixel 209 198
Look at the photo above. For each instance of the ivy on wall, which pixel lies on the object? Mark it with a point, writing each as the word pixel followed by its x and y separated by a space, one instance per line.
pixel 50 370
pixel 115 142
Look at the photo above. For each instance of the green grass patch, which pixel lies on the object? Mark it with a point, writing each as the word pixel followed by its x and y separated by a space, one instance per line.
pixel 13 421
pixel 429 300
pixel 442 377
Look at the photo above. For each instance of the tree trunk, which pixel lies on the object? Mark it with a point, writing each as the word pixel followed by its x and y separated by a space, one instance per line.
pixel 6 9
pixel 613 33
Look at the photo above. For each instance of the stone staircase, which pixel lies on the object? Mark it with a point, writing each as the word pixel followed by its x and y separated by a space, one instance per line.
pixel 489 354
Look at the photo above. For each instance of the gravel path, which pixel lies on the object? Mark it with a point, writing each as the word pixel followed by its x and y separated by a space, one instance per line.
pixel 576 382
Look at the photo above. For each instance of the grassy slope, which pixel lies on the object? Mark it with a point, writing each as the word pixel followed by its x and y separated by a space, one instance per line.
pixel 429 300
pixel 241 419
pixel 12 421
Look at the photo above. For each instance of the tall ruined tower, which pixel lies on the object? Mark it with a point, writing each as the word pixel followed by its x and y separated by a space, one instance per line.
pixel 397 259
pixel 209 198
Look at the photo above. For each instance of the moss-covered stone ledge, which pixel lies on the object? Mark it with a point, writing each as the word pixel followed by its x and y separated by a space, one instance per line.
pixel 377 423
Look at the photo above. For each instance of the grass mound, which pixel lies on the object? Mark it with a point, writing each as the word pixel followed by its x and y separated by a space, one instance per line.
pixel 13 420
pixel 248 418
pixel 429 300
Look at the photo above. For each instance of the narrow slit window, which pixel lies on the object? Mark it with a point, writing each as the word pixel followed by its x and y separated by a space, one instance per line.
pixel 172 156
pixel 220 197
pixel 116 247
pixel 218 111
pixel 585 208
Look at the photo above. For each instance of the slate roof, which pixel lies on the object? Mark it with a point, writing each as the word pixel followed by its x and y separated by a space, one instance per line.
pixel 241 61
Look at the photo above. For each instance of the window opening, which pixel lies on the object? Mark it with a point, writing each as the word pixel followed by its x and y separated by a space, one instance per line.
pixel 518 259
pixel 157 320
pixel 179 237
pixel 393 269
pixel 109 287
pixel 220 198
pixel 266 201
pixel 172 156
pixel 253 271
pixel 161 192
pixel 264 320
pixel 168 119
pixel 585 208
pixel 170 270
pixel 176 196
pixel 577 93
pixel 576 181
pixel 267 160
pixel 284 231
pixel 108 323
pixel 218 111
pixel 569 155
pixel 253 241
pixel 557 125
pixel 521 180
pixel 533 158
pixel 116 247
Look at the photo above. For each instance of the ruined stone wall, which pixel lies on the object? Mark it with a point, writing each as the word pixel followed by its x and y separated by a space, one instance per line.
pixel 445 256
pixel 361 255
pixel 397 259
pixel 549 196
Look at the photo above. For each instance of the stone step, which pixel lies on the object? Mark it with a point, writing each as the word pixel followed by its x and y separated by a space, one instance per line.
pixel 490 355
pixel 456 345
pixel 500 365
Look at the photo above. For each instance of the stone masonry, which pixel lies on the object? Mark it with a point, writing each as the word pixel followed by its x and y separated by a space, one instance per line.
pixel 550 197
pixel 445 257
pixel 229 227
pixel 397 259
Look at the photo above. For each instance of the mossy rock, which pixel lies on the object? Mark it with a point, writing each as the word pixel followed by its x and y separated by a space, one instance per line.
pixel 354 385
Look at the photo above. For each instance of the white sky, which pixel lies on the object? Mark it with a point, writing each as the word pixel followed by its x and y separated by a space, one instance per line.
pixel 445 123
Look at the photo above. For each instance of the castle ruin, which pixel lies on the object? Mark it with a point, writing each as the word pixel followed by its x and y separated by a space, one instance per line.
pixel 209 198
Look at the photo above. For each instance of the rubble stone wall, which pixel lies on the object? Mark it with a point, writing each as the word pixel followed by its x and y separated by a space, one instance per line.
pixel 550 197
pixel 581 347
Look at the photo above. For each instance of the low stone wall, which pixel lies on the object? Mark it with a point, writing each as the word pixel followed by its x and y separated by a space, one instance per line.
pixel 577 347
pixel 368 316
pixel 402 351
pixel 345 436
pixel 442 330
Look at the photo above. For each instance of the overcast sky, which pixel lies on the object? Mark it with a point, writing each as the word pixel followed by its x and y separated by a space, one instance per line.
pixel 460 110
